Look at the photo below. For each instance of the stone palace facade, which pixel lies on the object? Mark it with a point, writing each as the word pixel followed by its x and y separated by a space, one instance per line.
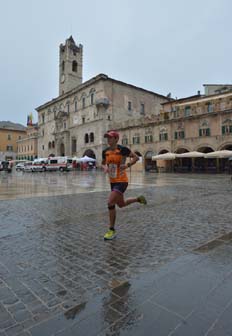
pixel 74 123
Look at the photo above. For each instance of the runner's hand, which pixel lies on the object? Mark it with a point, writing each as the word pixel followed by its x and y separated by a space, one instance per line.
pixel 106 169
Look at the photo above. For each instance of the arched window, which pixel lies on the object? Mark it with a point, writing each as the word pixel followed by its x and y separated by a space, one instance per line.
pixel 92 98
pixel 63 66
pixel 76 106
pixel 68 106
pixel 49 145
pixel 86 138
pixel 83 102
pixel 91 136
pixel 74 66
pixel 53 144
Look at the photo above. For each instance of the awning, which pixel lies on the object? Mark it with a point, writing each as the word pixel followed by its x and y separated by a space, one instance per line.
pixel 218 154
pixel 190 155
pixel 85 159
pixel 165 156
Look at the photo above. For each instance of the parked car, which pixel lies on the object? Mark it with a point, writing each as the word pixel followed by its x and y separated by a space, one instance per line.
pixel 20 166
pixel 5 166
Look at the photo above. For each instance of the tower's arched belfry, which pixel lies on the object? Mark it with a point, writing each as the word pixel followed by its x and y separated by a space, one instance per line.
pixel 70 66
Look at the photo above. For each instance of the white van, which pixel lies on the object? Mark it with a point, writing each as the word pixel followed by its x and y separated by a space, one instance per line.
pixel 61 163
pixel 39 165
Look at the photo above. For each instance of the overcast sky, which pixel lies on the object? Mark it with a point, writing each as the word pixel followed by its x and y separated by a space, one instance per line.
pixel 163 46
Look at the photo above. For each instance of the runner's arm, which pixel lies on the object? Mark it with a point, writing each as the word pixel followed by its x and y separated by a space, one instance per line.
pixel 133 159
pixel 104 166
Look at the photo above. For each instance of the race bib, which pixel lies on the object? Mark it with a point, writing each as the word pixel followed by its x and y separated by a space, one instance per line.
pixel 112 170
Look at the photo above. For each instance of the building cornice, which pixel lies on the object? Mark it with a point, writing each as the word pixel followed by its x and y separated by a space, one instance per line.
pixel 91 82
pixel 198 99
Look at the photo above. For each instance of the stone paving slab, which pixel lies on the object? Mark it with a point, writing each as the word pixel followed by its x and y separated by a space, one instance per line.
pixel 57 275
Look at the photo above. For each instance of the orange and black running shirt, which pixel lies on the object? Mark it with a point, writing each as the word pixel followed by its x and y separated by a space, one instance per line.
pixel 113 158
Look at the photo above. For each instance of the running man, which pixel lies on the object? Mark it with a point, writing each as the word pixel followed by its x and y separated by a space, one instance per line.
pixel 114 164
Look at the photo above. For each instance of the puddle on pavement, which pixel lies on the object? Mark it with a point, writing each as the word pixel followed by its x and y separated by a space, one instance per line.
pixel 214 243
pixel 18 185
pixel 121 289
pixel 74 311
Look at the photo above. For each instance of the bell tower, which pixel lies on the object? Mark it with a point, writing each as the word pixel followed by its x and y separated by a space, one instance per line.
pixel 70 66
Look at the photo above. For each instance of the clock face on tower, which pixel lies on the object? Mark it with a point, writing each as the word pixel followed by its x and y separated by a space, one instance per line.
pixel 62 78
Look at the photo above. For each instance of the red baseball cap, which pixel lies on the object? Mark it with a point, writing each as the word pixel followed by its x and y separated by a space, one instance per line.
pixel 111 134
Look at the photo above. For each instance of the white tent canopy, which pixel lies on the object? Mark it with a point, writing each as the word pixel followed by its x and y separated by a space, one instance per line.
pixel 165 156
pixel 190 155
pixel 219 154
pixel 84 159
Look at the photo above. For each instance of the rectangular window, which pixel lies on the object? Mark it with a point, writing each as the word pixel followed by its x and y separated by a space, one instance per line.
pixel 74 146
pixel 9 137
pixel 187 111
pixel 163 136
pixel 227 129
pixel 209 107
pixel 83 120
pixel 9 148
pixel 136 140
pixel 204 132
pixel 175 114
pixel 148 138
pixel 179 135
pixel 125 141
pixel 142 108
pixel 129 106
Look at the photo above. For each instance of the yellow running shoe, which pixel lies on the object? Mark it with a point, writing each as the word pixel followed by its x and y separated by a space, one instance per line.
pixel 111 234
pixel 142 200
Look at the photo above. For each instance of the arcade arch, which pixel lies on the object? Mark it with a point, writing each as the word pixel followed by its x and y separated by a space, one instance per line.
pixel 148 163
pixel 90 153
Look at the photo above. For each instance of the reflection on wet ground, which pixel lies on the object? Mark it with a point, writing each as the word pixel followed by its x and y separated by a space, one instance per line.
pixel 22 185
pixel 59 277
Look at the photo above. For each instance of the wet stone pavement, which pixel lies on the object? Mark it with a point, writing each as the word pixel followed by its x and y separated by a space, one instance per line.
pixel 58 276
